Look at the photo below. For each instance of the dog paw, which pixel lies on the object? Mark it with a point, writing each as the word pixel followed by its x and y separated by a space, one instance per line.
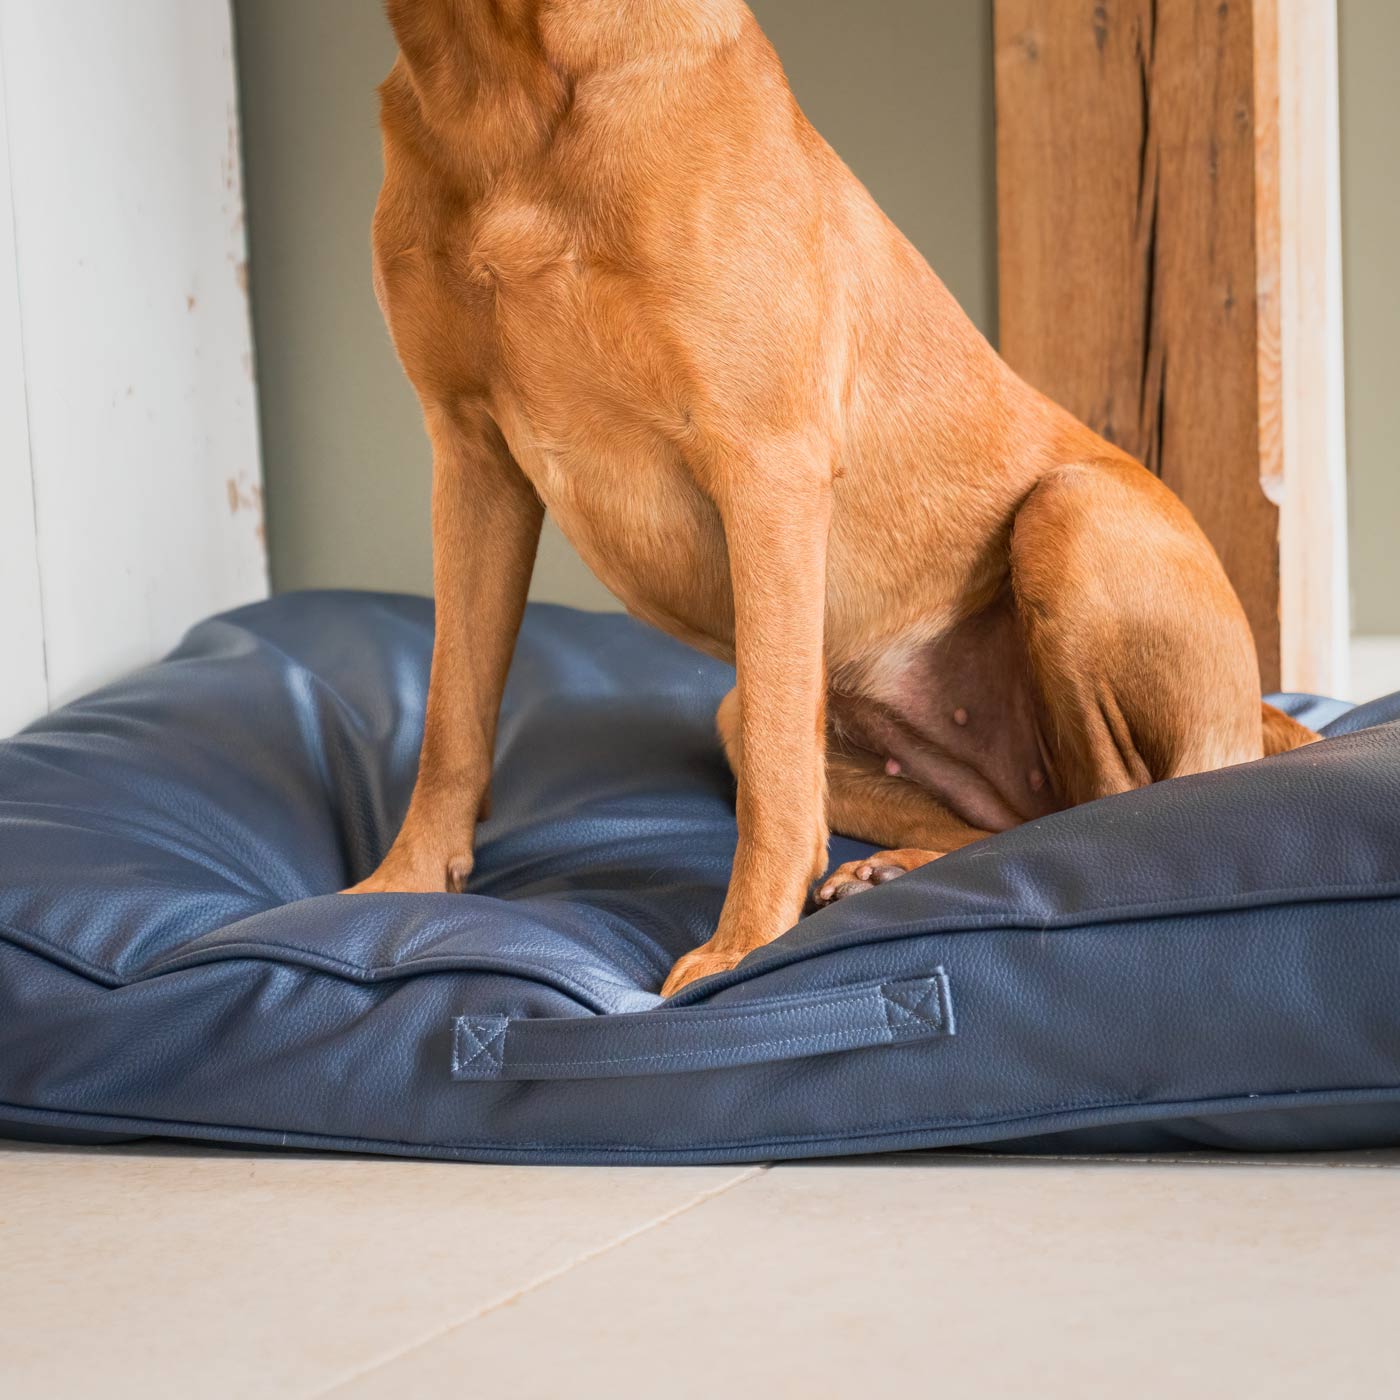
pixel 426 875
pixel 855 877
pixel 693 966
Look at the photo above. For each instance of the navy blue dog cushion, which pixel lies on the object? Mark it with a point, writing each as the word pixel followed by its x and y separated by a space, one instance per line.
pixel 1212 961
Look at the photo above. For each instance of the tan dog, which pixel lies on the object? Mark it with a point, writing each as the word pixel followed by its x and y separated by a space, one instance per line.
pixel 633 286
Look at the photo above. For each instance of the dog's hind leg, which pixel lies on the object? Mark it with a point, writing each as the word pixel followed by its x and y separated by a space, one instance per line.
pixel 867 804
pixel 1143 662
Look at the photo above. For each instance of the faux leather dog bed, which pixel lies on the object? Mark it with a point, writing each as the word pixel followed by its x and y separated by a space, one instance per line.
pixel 1211 961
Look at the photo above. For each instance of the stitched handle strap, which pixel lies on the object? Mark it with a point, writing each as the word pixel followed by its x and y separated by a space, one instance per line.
pixel 701 1037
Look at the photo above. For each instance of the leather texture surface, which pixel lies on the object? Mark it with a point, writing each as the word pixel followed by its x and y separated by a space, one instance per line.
pixel 1211 961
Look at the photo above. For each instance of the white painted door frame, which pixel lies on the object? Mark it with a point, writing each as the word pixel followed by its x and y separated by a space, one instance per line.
pixel 130 479
pixel 1314 602
pixel 24 692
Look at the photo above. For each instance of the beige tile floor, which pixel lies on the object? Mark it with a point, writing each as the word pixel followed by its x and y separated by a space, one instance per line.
pixel 174 1271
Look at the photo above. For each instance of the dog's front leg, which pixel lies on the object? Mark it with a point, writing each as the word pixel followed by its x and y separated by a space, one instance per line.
pixel 486 528
pixel 776 511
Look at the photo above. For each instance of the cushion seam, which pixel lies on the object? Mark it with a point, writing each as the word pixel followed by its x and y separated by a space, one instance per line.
pixel 1240 1102
pixel 394 972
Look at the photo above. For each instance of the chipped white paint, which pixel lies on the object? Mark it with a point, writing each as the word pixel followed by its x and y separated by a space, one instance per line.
pixel 132 332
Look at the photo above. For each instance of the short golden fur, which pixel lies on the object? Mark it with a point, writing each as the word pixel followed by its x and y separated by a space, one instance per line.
pixel 633 286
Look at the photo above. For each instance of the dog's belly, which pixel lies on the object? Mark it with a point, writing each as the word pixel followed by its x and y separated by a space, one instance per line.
pixel 959 716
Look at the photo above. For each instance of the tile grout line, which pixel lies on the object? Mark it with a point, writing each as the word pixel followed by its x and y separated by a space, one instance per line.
pixel 548 1277
pixel 1266 1160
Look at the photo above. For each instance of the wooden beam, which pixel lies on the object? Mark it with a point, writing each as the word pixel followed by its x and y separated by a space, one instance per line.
pixel 1142 251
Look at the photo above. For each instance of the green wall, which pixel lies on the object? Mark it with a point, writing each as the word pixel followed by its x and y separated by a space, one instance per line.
pixel 1370 41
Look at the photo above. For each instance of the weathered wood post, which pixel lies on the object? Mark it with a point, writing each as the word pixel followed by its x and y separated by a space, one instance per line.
pixel 1170 271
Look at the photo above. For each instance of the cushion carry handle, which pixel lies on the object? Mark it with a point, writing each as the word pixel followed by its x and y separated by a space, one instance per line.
pixel 702 1037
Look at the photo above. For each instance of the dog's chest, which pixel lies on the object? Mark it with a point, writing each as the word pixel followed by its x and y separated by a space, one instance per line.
pixel 570 352
pixel 634 515
pixel 588 400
